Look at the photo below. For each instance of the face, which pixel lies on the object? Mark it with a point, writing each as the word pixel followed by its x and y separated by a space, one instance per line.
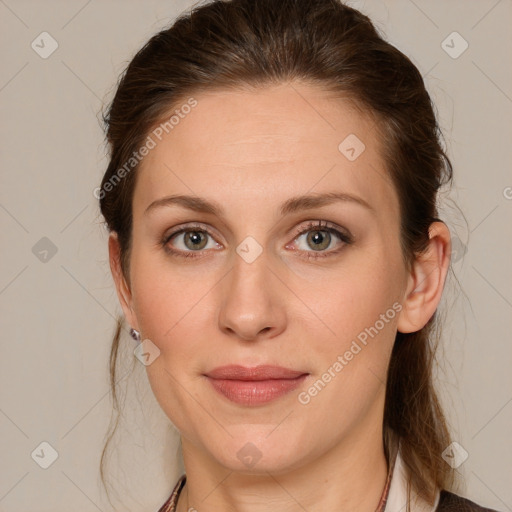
pixel 313 286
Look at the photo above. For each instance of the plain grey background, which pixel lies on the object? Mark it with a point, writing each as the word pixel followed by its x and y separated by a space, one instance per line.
pixel 58 307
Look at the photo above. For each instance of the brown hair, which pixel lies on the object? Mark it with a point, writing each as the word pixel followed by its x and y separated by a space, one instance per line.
pixel 253 43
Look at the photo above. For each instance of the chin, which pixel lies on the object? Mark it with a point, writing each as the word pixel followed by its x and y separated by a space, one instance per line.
pixel 260 454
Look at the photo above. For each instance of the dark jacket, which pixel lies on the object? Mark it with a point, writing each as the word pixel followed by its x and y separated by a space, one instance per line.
pixel 450 502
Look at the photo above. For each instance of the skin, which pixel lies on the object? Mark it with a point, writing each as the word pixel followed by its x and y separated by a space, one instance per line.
pixel 250 151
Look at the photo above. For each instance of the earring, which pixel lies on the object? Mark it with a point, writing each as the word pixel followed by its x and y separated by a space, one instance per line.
pixel 135 334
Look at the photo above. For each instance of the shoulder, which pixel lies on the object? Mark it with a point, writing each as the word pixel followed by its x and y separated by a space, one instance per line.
pixel 450 502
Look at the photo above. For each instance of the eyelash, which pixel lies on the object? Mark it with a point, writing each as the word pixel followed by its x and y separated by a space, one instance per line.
pixel 346 238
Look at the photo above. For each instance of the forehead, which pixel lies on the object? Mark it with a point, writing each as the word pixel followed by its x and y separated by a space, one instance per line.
pixel 254 146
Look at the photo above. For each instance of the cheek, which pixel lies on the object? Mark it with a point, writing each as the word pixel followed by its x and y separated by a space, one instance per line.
pixel 174 310
pixel 352 356
pixel 353 331
pixel 345 301
pixel 162 295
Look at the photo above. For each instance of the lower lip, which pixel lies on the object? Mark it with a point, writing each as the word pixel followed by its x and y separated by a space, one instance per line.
pixel 255 392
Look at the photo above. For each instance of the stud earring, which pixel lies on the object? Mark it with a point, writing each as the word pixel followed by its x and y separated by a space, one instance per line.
pixel 135 334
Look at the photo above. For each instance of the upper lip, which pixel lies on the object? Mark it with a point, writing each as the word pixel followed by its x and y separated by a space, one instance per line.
pixel 261 372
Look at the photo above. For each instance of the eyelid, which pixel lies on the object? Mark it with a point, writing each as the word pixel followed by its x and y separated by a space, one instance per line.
pixel 188 227
pixel 320 225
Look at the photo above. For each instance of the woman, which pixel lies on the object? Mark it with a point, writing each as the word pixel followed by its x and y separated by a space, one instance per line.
pixel 275 246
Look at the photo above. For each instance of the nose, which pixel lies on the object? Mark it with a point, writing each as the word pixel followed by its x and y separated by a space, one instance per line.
pixel 253 301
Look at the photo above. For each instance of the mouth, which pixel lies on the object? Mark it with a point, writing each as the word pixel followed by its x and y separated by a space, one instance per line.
pixel 254 386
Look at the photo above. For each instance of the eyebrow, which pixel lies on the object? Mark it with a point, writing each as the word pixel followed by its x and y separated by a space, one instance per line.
pixel 292 205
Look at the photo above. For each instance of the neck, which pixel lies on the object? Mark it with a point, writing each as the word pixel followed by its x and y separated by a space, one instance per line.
pixel 349 477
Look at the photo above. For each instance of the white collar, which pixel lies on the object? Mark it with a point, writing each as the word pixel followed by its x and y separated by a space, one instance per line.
pixel 397 497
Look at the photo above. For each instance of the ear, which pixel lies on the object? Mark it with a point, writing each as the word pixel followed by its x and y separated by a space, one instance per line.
pixel 123 290
pixel 426 280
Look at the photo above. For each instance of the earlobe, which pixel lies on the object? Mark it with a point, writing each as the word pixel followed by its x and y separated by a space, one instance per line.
pixel 123 290
pixel 426 281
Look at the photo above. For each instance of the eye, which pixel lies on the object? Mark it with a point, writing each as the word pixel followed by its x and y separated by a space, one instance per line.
pixel 194 239
pixel 319 237
pixel 190 241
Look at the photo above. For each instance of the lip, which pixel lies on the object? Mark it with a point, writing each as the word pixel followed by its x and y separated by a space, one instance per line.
pixel 261 372
pixel 254 386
